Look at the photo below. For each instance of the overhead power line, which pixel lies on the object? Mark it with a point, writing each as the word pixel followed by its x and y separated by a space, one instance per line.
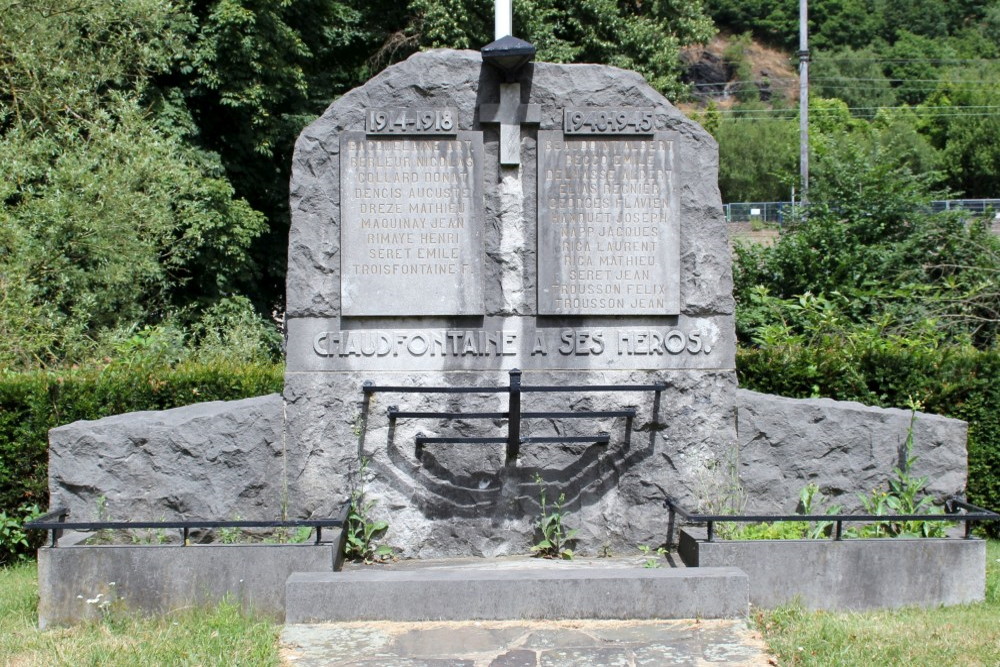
pixel 874 108
pixel 957 61
pixel 789 81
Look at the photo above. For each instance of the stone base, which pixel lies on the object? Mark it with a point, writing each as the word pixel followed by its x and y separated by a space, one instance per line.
pixel 79 583
pixel 562 591
pixel 850 573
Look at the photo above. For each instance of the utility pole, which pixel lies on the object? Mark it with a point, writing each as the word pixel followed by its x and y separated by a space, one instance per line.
pixel 503 19
pixel 804 99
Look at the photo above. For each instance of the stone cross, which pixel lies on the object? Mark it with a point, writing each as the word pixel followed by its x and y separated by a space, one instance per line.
pixel 510 114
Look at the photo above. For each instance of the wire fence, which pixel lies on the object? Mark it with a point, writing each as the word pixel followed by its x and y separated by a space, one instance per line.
pixel 776 212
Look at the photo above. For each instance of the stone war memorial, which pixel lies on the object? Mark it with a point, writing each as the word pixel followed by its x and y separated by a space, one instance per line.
pixel 500 284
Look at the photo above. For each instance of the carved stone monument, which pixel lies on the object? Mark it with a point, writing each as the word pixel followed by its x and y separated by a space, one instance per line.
pixel 418 259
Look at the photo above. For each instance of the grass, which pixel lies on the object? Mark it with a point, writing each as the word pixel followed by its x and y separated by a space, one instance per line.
pixel 220 635
pixel 960 635
pixel 224 635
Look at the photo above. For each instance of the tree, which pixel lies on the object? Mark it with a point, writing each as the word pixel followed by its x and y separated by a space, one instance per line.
pixel 109 218
pixel 644 36
pixel 869 253
pixel 854 76
pixel 959 121
pixel 758 155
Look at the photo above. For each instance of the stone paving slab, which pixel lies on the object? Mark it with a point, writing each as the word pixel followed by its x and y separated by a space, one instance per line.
pixel 524 644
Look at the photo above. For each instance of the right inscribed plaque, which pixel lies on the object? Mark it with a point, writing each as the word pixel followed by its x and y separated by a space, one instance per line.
pixel 608 225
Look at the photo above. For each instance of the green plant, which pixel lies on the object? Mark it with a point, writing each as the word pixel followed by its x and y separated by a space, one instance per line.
pixel 231 534
pixel 809 500
pixel 903 497
pixel 720 490
pixel 652 562
pixel 149 536
pixel 289 535
pixel 362 529
pixel 15 542
pixel 555 537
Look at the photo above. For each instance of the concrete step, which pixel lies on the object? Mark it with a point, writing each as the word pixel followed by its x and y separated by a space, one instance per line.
pixel 481 592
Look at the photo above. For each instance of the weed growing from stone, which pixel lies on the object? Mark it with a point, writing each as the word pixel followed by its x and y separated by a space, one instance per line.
pixel 556 538
pixel 810 500
pixel 903 496
pixel 361 529
pixel 652 562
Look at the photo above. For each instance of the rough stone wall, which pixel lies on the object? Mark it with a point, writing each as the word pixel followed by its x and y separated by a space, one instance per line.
pixel 845 448
pixel 211 461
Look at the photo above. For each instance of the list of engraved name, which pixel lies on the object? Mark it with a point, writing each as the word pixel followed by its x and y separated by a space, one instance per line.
pixel 410 204
pixel 607 219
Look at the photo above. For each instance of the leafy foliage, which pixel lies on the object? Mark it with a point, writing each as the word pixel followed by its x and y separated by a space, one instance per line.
pixel 633 35
pixel 963 133
pixel 758 158
pixel 555 536
pixel 16 544
pixel 810 499
pixel 362 529
pixel 866 251
pixel 903 497
pixel 108 218
pixel 851 23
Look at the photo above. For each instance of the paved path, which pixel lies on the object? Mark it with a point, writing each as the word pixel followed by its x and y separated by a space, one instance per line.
pixel 523 643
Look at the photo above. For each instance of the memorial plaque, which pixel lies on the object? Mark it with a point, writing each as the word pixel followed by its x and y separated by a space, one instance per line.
pixel 411 225
pixel 608 220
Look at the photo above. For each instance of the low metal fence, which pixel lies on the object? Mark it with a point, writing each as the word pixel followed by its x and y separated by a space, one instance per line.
pixel 55 522
pixel 765 212
pixel 777 212
pixel 955 510
pixel 981 206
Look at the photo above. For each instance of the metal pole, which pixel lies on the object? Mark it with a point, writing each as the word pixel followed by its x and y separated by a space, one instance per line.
pixel 514 418
pixel 804 99
pixel 503 19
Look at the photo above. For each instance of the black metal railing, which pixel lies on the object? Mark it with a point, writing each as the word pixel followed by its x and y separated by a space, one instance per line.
pixel 514 415
pixel 955 510
pixel 55 522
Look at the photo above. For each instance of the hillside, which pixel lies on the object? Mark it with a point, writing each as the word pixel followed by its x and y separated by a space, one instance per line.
pixel 727 68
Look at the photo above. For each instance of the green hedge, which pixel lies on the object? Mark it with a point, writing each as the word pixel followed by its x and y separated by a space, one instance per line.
pixel 956 382
pixel 32 403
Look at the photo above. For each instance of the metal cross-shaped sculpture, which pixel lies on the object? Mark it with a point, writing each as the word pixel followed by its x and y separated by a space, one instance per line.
pixel 510 114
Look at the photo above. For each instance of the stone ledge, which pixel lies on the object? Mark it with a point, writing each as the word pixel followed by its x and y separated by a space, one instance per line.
pixel 850 573
pixel 462 593
pixel 159 579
